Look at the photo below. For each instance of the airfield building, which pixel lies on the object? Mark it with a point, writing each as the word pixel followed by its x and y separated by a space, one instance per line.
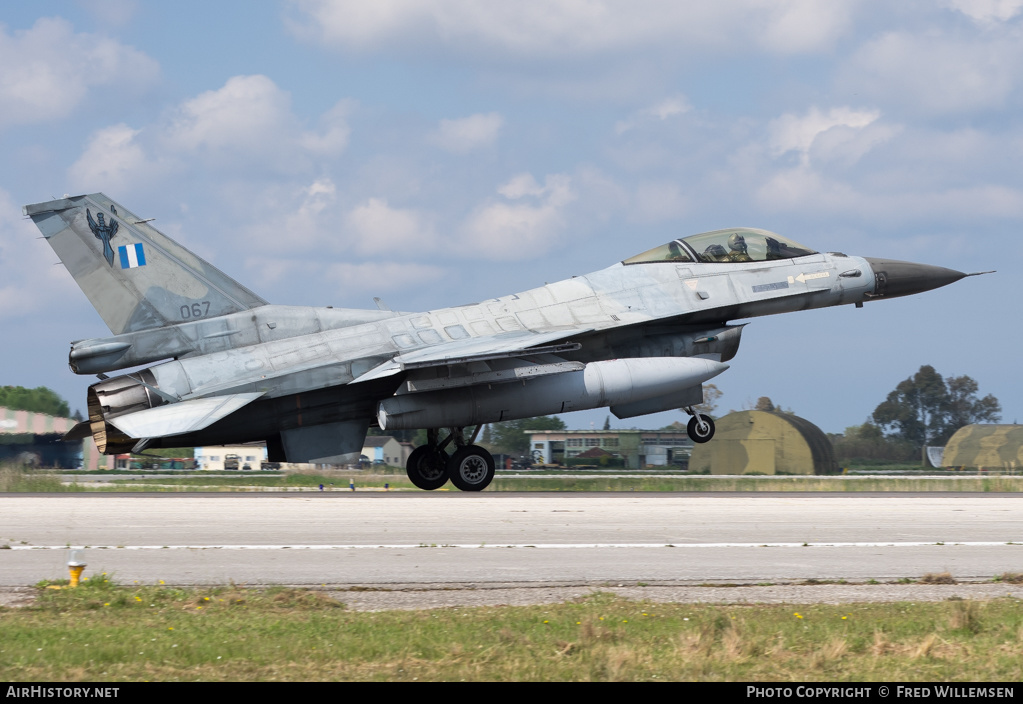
pixel 384 449
pixel 34 439
pixel 628 449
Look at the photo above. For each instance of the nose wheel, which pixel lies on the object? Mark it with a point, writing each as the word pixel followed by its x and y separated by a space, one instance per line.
pixel 700 428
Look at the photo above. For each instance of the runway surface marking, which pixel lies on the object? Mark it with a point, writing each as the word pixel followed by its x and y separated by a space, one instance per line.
pixel 540 546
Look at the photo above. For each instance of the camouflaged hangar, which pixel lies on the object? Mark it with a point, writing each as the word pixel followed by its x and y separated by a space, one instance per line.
pixel 989 446
pixel 761 442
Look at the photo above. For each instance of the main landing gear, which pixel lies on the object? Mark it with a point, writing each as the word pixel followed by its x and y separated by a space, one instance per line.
pixel 470 467
pixel 700 427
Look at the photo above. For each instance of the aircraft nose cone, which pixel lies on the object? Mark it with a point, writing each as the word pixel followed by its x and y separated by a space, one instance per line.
pixel 894 278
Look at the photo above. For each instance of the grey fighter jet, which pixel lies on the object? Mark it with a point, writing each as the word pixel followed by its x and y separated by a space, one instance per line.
pixel 640 336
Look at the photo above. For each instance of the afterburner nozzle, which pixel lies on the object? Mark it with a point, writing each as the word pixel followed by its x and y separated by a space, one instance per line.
pixel 894 278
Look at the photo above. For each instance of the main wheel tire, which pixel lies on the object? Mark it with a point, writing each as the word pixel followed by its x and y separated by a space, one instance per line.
pixel 700 429
pixel 427 467
pixel 471 468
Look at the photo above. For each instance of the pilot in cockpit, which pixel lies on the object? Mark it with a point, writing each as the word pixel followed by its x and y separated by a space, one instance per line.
pixel 738 251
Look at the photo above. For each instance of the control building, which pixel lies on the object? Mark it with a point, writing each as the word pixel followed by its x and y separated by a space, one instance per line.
pixel 628 449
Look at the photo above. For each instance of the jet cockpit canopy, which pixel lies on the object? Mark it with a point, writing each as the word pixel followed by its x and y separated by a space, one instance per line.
pixel 740 244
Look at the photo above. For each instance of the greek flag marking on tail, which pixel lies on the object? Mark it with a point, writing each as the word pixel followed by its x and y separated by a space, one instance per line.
pixel 132 255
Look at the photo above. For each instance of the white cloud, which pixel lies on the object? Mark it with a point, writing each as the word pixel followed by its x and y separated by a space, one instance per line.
pixel 377 228
pixel 520 186
pixel 799 133
pixel 987 11
pixel 31 278
pixel 250 120
pixel 468 133
pixel 800 26
pixel 525 228
pixel 48 71
pixel 309 222
pixel 933 73
pixel 288 218
pixel 247 127
pixel 316 218
pixel 112 161
pixel 543 28
pixel 335 132
pixel 112 12
pixel 669 107
pixel 804 191
pixel 246 113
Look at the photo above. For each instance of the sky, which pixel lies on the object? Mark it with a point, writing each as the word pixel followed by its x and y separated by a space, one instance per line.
pixel 440 152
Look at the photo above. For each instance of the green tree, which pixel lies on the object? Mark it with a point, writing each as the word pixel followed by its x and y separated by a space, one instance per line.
pixel 510 436
pixel 926 409
pixel 964 408
pixel 867 442
pixel 37 400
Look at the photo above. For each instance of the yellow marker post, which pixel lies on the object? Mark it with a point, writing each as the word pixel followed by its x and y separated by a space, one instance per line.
pixel 76 565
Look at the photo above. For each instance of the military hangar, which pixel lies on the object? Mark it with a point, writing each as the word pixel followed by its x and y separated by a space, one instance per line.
pixel 762 442
pixel 34 439
pixel 988 446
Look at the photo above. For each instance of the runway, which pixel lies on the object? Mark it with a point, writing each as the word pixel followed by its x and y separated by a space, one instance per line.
pixel 378 540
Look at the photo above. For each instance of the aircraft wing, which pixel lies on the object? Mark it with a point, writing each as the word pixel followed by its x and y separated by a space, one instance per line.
pixel 182 417
pixel 509 345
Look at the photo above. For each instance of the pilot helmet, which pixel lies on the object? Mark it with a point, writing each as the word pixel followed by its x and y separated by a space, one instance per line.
pixel 736 242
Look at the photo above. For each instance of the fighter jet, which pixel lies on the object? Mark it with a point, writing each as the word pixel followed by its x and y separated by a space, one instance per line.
pixel 227 367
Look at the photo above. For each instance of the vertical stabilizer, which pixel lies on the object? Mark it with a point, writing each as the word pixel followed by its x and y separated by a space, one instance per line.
pixel 136 277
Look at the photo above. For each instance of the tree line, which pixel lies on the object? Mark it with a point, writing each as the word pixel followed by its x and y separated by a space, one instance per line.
pixel 37 400
pixel 923 410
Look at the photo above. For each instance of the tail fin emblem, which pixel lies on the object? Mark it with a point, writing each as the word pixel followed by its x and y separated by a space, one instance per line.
pixel 104 231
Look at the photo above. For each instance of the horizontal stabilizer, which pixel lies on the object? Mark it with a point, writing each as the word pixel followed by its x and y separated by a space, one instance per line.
pixel 180 418
pixel 79 432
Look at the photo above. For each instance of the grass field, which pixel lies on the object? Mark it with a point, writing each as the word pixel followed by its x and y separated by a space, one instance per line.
pixel 104 632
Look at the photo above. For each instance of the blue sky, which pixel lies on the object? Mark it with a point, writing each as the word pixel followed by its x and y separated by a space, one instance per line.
pixel 439 152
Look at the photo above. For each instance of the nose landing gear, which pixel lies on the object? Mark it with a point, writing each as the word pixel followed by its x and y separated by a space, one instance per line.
pixel 700 427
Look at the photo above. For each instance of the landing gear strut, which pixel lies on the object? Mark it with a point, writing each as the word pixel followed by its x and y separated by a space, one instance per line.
pixel 470 468
pixel 700 427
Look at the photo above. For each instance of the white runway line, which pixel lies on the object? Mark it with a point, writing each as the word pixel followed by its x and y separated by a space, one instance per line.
pixel 538 546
